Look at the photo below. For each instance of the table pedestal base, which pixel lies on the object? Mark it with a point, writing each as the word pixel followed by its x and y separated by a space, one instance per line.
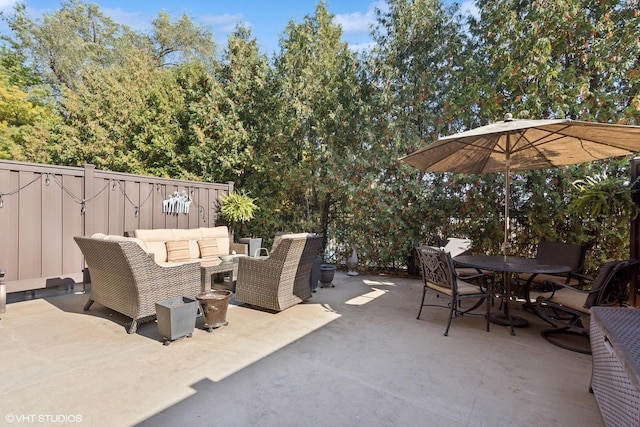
pixel 503 320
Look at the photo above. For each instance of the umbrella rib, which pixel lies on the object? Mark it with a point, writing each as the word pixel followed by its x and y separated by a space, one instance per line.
pixel 480 148
pixel 554 135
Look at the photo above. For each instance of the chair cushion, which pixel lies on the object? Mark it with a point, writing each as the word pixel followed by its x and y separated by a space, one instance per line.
pixel 287 235
pixel 128 239
pixel 221 234
pixel 209 248
pixel 154 235
pixel 192 235
pixel 464 288
pixel 542 278
pixel 603 274
pixel 561 253
pixel 566 297
pixel 178 251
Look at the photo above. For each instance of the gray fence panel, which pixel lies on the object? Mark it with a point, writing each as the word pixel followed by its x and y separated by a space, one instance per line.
pixel 45 206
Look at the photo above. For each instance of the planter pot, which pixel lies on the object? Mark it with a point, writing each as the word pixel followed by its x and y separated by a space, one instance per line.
pixel 254 243
pixel 327 272
pixel 214 306
pixel 176 318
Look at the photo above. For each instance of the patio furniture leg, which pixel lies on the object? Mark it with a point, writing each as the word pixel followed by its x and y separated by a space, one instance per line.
pixel 424 293
pixel 88 304
pixel 489 303
pixel 453 308
pixel 133 328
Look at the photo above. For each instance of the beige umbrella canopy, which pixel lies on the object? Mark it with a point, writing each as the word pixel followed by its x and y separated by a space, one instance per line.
pixel 515 144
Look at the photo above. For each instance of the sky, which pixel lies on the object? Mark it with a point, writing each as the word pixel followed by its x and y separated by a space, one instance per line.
pixel 266 19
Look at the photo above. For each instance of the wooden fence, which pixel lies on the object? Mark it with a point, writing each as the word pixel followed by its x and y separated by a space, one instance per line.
pixel 42 207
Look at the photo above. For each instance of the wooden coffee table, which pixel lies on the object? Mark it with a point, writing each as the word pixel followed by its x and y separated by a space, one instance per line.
pixel 210 269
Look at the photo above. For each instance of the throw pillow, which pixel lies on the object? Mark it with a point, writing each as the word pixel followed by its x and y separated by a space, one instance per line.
pixel 208 248
pixel 178 251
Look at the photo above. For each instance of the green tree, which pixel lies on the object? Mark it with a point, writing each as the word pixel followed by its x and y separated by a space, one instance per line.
pixel 415 63
pixel 78 35
pixel 542 59
pixel 64 42
pixel 26 113
pixel 319 120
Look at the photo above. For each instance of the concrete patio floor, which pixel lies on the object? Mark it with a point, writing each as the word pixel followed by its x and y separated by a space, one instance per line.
pixel 353 355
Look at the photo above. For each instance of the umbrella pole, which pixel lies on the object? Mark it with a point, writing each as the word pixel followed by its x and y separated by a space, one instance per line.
pixel 507 179
pixel 506 246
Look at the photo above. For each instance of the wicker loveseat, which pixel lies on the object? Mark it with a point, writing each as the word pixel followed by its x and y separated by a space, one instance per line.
pixel 126 279
pixel 280 280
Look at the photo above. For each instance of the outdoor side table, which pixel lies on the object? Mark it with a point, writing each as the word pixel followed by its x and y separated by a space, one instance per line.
pixel 209 269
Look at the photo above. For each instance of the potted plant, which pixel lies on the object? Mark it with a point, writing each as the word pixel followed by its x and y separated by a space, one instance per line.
pixel 239 207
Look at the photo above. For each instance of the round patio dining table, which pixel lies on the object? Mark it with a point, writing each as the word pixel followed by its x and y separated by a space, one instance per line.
pixel 507 265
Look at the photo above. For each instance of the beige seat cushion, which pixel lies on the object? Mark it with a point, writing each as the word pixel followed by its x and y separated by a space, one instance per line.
pixel 542 278
pixel 566 297
pixel 464 288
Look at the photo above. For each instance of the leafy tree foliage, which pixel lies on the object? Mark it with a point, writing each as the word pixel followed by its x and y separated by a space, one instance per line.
pixel 25 116
pixel 418 54
pixel 574 59
pixel 314 133
pixel 318 124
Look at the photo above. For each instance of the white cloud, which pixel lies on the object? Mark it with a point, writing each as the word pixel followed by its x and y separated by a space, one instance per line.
pixel 131 19
pixel 358 22
pixel 469 8
pixel 225 23
pixel 355 22
pixel 7 4
pixel 362 47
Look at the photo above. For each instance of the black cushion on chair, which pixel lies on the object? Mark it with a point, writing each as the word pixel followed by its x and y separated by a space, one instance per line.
pixel 569 254
pixel 603 274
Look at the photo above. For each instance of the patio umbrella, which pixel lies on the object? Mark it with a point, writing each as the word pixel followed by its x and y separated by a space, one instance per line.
pixel 516 144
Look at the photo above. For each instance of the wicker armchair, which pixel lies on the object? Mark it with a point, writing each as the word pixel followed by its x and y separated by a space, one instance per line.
pixel 126 279
pixel 280 280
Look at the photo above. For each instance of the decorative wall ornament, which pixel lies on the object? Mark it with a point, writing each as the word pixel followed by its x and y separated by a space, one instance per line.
pixel 177 203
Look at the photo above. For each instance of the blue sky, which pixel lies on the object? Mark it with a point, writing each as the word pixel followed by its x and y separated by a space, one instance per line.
pixel 267 19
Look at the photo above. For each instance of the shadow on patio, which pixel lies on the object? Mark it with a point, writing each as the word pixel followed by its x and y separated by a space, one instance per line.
pixel 352 355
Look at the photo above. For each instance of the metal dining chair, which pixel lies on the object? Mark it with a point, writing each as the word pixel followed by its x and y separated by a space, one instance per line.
pixel 439 275
pixel 568 308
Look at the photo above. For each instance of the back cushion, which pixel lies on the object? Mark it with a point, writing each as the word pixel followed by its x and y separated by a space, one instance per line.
pixel 561 253
pixel 178 251
pixel 603 275
pixel 284 235
pixel 127 239
pixel 209 249
pixel 155 240
pixel 221 234
pixel 192 236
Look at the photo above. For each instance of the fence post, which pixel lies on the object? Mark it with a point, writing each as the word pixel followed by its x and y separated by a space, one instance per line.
pixel 89 217
pixel 3 294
